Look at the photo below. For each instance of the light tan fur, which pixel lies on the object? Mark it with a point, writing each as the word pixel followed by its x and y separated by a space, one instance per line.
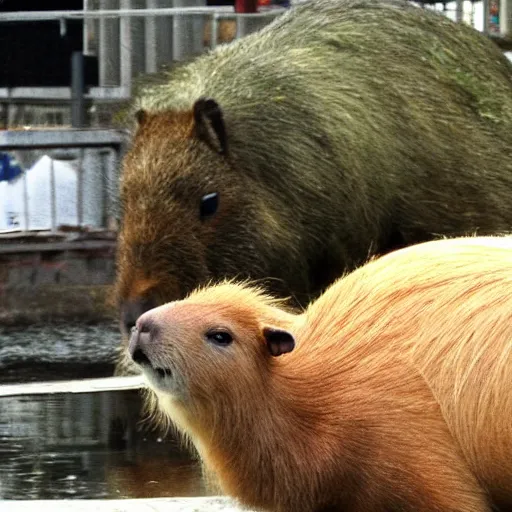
pixel 396 397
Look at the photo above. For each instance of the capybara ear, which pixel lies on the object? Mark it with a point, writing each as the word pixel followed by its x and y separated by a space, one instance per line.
pixel 140 116
pixel 279 342
pixel 209 124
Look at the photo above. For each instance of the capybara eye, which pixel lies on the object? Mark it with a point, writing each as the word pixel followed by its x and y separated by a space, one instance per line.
pixel 219 337
pixel 209 204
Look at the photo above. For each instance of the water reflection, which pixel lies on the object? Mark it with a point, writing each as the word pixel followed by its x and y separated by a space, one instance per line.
pixel 57 352
pixel 88 446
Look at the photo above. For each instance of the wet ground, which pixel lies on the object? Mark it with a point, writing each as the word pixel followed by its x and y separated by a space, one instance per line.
pixel 57 352
pixel 89 446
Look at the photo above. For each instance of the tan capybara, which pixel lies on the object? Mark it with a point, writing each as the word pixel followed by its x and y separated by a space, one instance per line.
pixel 344 128
pixel 393 392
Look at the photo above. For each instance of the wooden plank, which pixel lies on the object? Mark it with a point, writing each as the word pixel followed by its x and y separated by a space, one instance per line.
pixel 206 504
pixel 73 386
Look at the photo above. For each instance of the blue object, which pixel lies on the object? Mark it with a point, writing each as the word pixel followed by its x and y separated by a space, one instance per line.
pixel 9 167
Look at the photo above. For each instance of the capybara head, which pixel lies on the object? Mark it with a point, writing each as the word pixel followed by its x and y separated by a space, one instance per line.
pixel 189 350
pixel 187 215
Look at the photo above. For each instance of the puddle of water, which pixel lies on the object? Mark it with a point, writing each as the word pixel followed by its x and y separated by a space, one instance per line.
pixel 87 446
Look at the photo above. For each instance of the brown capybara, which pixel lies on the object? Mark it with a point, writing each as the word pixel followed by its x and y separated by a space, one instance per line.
pixel 392 393
pixel 344 128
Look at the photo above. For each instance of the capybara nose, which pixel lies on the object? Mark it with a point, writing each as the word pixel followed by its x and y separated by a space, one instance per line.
pixel 132 309
pixel 140 339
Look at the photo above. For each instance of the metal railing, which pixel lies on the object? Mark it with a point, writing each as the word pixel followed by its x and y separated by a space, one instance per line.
pixel 214 12
pixel 127 42
pixel 125 49
pixel 96 154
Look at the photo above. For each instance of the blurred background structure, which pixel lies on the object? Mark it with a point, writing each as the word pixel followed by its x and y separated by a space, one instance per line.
pixel 114 41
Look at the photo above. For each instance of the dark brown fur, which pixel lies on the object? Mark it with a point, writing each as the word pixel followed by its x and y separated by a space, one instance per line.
pixel 353 127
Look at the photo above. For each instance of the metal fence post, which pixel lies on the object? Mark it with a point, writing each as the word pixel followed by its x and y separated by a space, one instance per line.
pixel 247 24
pixel 459 10
pixel 77 90
pixel 187 31
pixel 108 47
pixel 158 33
pixel 53 196
pixel 125 47
pixel 80 189
pixel 25 202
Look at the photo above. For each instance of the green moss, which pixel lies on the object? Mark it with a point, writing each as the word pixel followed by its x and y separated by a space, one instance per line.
pixel 486 100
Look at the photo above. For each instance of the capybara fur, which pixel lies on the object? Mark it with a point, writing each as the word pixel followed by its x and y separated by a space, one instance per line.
pixel 343 129
pixel 392 392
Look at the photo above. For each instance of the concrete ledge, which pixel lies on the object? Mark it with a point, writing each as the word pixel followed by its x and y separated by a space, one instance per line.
pixel 209 504
pixel 73 386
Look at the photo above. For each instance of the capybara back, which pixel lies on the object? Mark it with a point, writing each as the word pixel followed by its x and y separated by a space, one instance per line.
pixel 345 128
pixel 445 307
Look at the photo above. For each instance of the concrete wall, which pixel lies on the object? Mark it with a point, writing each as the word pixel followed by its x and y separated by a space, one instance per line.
pixel 54 281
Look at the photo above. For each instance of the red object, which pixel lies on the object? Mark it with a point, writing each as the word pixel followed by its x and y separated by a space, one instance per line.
pixel 246 5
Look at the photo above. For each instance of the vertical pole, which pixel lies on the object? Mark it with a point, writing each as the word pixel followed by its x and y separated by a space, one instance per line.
pixel 187 31
pixel 85 29
pixel 104 157
pixel 485 9
pixel 214 30
pixel 77 90
pixel 80 189
pixel 125 47
pixel 150 43
pixel 109 46
pixel 158 34
pixel 138 39
pixel 53 198
pixel 459 9
pixel 25 200
pixel 505 17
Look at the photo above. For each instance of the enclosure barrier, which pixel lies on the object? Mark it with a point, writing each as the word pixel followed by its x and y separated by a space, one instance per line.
pixel 131 41
pixel 95 155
